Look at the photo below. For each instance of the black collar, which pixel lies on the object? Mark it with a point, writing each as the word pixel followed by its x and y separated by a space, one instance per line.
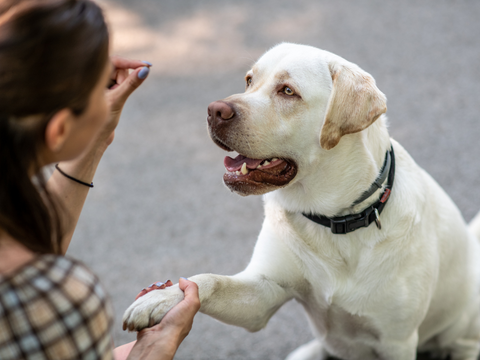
pixel 349 223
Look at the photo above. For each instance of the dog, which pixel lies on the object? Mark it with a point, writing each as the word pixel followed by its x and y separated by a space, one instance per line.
pixel 363 238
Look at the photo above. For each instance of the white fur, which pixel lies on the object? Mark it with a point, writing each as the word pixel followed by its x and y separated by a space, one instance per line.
pixel 370 294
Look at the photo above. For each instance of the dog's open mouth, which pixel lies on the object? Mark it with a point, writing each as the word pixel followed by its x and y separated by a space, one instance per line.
pixel 257 176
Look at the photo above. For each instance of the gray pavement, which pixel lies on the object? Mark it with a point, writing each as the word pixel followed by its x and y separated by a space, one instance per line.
pixel 159 209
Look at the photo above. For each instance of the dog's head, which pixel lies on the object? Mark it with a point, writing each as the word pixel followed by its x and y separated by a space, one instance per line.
pixel 294 95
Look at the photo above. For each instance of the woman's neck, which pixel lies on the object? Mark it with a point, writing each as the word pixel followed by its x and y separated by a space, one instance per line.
pixel 13 255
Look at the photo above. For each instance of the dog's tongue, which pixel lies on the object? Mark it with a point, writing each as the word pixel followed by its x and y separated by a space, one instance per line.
pixel 236 164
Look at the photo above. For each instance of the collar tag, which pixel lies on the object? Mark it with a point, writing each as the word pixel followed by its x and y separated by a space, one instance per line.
pixel 386 195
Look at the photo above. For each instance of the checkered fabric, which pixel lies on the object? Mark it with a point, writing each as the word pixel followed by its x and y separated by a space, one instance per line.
pixel 54 308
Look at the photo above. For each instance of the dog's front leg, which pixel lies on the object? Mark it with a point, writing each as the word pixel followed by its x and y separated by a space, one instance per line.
pixel 249 298
pixel 246 299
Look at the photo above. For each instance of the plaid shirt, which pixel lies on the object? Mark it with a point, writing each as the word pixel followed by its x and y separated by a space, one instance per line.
pixel 54 308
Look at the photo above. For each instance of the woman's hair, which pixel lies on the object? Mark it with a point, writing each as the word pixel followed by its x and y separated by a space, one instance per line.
pixel 52 55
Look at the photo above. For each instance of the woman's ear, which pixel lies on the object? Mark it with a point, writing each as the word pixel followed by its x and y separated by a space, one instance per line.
pixel 58 130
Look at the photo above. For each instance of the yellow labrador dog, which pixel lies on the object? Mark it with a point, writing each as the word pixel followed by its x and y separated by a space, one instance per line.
pixel 371 246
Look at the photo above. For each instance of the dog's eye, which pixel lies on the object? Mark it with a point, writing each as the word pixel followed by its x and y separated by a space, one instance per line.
pixel 249 81
pixel 287 91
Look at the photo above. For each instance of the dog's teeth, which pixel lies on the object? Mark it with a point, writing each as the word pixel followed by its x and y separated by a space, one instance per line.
pixel 244 169
pixel 259 166
pixel 266 163
pixel 274 159
pixel 237 172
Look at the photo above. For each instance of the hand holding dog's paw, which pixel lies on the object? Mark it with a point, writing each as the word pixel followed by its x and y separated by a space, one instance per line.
pixel 150 308
pixel 151 305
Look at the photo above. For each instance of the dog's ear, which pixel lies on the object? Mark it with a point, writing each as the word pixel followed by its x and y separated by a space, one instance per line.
pixel 354 104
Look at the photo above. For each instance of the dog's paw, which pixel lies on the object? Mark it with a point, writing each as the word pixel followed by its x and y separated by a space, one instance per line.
pixel 150 309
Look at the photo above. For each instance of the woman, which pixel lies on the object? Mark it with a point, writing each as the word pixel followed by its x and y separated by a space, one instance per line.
pixel 55 109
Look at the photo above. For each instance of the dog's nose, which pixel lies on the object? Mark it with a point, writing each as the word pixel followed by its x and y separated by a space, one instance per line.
pixel 220 111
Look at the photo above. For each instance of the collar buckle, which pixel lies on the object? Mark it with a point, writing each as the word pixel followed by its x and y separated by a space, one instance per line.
pixel 349 223
pixel 339 225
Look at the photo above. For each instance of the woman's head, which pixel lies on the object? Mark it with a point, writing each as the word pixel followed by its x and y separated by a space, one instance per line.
pixel 53 59
pixel 52 53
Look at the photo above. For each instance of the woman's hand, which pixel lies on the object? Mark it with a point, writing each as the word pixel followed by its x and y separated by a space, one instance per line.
pixel 161 341
pixel 123 84
pixel 179 320
pixel 83 167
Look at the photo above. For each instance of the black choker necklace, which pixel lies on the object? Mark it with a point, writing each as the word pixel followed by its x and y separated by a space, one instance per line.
pixel 349 223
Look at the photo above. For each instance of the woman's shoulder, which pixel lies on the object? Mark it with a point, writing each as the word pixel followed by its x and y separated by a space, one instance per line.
pixel 57 268
pixel 51 275
pixel 57 306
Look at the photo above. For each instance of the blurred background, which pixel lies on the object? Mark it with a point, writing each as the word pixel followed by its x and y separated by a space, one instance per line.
pixel 159 209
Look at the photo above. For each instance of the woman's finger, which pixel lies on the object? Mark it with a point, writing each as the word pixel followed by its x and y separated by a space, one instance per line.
pixel 122 74
pixel 119 93
pixel 122 63
pixel 191 292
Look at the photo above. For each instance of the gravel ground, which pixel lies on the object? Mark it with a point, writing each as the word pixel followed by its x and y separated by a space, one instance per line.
pixel 159 209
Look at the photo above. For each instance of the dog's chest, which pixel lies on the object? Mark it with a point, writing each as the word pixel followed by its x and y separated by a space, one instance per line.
pixel 341 285
pixel 336 265
pixel 344 334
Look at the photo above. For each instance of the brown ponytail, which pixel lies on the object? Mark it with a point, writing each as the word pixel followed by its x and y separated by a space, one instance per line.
pixel 52 54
